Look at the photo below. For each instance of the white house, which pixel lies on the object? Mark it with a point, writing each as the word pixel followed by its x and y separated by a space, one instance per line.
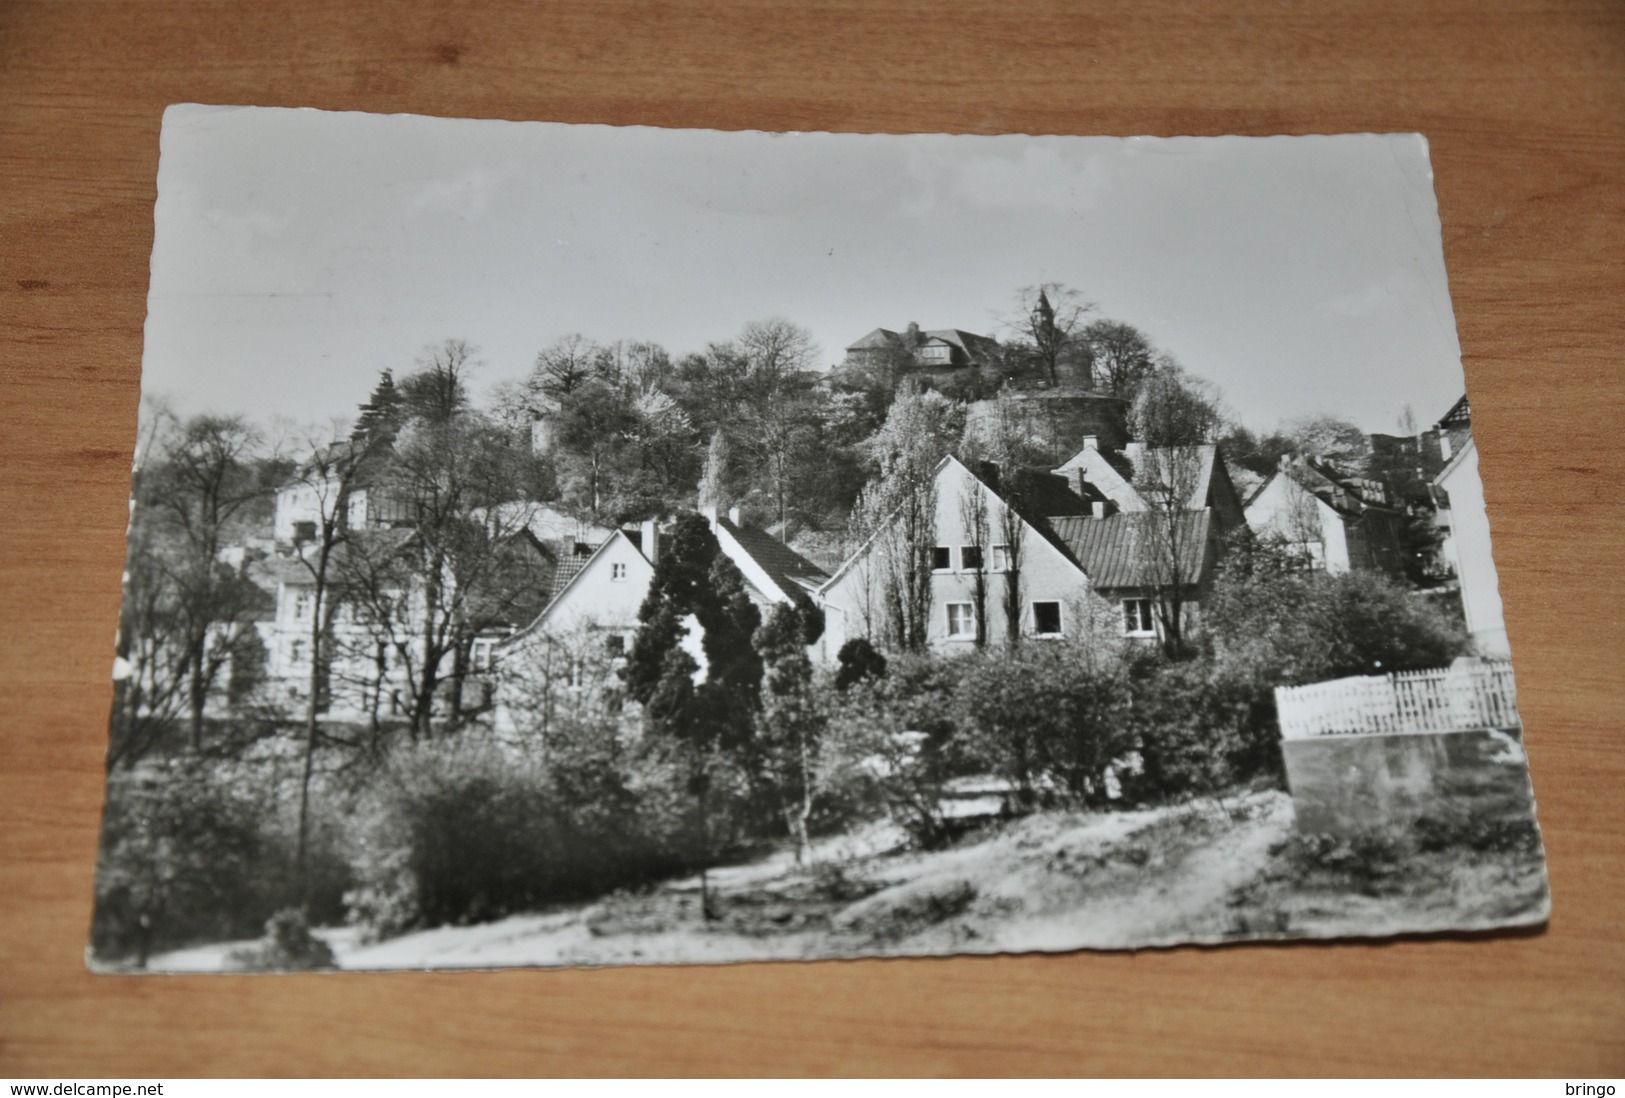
pixel 597 607
pixel 1469 546
pixel 1055 590
pixel 1092 558
pixel 1338 523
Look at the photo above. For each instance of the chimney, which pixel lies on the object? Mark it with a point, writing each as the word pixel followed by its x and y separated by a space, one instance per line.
pixel 651 540
pixel 1091 442
pixel 1100 508
pixel 1286 462
pixel 709 510
pixel 733 515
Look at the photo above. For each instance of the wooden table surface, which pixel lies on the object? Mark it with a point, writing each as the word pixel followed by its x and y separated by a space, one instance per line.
pixel 1524 104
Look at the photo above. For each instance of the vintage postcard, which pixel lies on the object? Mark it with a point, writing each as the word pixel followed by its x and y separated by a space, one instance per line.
pixel 578 545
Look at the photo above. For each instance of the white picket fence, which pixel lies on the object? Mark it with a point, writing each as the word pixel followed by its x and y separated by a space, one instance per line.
pixel 1479 694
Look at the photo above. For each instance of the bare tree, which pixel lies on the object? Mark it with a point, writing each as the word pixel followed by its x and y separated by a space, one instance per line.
pixel 776 350
pixel 450 571
pixel 1001 437
pixel 437 391
pixel 1176 419
pixel 325 484
pixel 565 365
pixel 1121 356
pixel 973 519
pixel 1048 320
pixel 206 475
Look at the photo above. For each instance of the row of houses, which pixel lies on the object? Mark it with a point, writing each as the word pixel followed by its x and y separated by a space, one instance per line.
pixel 1119 540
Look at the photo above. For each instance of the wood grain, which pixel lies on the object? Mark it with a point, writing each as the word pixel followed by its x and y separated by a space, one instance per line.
pixel 1525 106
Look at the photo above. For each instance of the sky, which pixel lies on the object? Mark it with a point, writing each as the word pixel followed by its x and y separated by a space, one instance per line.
pixel 298 253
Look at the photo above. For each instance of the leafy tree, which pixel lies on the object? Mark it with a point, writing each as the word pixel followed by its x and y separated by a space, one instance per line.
pixel 1257 453
pixel 896 514
pixel 714 482
pixel 792 722
pixel 708 724
pixel 380 418
pixel 1330 438
pixel 593 427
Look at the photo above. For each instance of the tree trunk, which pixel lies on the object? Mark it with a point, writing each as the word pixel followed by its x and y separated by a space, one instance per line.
pixel 312 704
pixel 197 689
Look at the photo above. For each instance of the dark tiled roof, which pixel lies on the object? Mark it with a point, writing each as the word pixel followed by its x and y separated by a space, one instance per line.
pixel 565 570
pixel 976 347
pixel 1114 550
pixel 789 569
pixel 1039 493
pixel 1460 415
pixel 879 339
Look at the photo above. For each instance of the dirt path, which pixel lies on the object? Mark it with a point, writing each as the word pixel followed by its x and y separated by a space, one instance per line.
pixel 1056 881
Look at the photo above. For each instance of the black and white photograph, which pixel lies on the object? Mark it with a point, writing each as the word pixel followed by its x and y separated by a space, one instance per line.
pixel 575 545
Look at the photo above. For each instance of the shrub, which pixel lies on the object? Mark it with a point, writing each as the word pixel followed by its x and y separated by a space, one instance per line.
pixel 1200 728
pixel 460 831
pixel 1279 627
pixel 288 946
pixel 858 661
pixel 185 857
pixel 1046 718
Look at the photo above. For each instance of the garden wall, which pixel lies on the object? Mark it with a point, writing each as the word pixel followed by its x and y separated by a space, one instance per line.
pixel 1345 784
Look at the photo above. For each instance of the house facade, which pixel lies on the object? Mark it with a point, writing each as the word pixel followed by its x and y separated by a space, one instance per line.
pixel 1469 548
pixel 980 542
pixel 1090 556
pixel 593 615
pixel 1336 522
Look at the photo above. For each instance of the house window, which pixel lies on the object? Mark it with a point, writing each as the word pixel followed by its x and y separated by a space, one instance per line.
pixel 961 619
pixel 1138 618
pixel 942 559
pixel 482 654
pixel 1047 619
pixel 970 558
pixel 617 572
pixel 304 531
pixel 296 652
pixel 1001 558
pixel 615 644
pixel 304 602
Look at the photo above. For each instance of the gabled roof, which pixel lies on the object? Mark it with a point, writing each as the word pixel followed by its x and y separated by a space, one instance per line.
pixel 974 346
pixel 1103 477
pixel 786 567
pixel 877 340
pixel 1459 415
pixel 1110 548
pixel 565 577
